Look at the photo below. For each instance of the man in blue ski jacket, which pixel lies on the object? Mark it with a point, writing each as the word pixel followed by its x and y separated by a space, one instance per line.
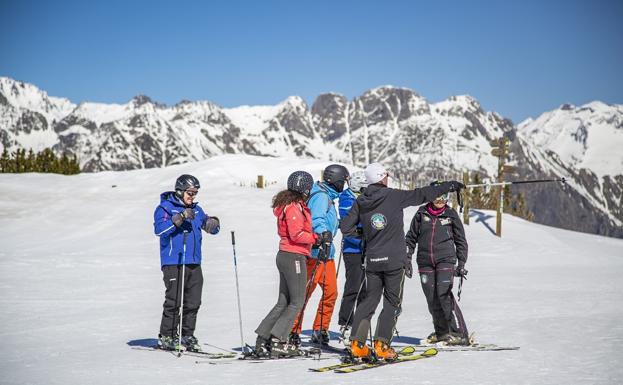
pixel 178 221
pixel 321 264
pixel 353 257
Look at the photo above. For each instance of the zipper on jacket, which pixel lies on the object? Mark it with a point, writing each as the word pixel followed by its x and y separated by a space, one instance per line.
pixel 432 237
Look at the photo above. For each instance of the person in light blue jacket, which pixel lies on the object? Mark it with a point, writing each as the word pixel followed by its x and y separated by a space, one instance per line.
pixel 178 221
pixel 321 263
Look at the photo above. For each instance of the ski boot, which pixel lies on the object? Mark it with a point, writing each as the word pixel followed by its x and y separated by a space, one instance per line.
pixel 280 349
pixel 432 338
pixel 262 347
pixel 457 340
pixel 384 351
pixel 294 339
pixel 320 337
pixel 191 343
pixel 361 351
pixel 168 343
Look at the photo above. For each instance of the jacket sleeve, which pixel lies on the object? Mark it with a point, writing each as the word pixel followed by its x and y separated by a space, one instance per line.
pixel 421 195
pixel 414 233
pixel 163 225
pixel 205 219
pixel 348 225
pixel 459 238
pixel 344 205
pixel 295 222
pixel 319 205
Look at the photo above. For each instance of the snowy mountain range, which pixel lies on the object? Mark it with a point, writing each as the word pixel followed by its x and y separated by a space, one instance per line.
pixel 418 140
pixel 83 288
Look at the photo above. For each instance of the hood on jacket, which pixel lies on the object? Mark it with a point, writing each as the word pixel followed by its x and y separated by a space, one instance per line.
pixel 169 196
pixel 373 195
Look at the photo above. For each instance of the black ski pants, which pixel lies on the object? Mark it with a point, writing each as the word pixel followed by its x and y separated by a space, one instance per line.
pixel 193 284
pixel 437 286
pixel 387 284
pixel 354 292
pixel 292 280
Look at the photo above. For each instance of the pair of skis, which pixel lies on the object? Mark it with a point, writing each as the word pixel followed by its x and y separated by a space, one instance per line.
pixel 404 355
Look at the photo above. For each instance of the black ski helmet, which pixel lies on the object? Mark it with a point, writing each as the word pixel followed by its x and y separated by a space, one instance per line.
pixel 301 182
pixel 444 197
pixel 184 182
pixel 336 175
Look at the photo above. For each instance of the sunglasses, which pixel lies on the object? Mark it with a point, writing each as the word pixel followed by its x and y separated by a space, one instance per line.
pixel 191 193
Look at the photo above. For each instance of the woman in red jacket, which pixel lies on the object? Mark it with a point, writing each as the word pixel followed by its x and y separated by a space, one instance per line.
pixel 294 226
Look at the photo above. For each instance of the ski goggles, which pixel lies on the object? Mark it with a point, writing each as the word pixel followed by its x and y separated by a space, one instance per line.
pixel 445 197
pixel 191 193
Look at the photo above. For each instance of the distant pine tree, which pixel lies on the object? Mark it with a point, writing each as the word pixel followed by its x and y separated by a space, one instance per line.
pixel 5 161
pixel 44 161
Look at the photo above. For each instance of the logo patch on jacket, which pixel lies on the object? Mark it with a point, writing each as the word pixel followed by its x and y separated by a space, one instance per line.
pixel 378 221
pixel 426 219
pixel 445 221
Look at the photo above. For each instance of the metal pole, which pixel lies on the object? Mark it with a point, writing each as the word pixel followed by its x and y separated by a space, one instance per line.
pixel 179 335
pixel 339 262
pixel 466 198
pixel 233 245
pixel 563 180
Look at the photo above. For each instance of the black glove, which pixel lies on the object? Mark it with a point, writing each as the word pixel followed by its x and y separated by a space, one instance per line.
pixel 188 213
pixel 409 268
pixel 179 218
pixel 212 225
pixel 453 185
pixel 327 237
pixel 318 241
pixel 460 270
pixel 323 254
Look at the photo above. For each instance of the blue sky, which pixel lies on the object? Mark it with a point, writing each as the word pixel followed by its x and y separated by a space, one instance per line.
pixel 519 58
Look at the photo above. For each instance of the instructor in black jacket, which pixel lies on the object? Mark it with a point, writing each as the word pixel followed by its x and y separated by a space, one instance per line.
pixel 380 210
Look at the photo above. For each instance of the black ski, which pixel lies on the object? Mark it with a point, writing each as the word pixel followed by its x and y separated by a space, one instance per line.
pixel 442 347
pixel 210 355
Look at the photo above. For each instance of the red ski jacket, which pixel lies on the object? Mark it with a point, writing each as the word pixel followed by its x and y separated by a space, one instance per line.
pixel 294 226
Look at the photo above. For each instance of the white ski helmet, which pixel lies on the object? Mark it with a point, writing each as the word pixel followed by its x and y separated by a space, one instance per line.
pixel 358 181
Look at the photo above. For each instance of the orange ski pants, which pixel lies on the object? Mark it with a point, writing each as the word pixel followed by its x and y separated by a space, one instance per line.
pixel 325 277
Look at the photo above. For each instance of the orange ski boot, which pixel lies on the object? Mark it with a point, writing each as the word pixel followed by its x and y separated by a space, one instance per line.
pixel 360 349
pixel 384 351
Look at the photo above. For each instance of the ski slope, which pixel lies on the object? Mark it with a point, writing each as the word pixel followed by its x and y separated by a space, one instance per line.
pixel 81 282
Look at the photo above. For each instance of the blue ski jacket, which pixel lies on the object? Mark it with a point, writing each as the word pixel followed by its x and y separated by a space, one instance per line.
pixel 324 215
pixel 351 244
pixel 178 245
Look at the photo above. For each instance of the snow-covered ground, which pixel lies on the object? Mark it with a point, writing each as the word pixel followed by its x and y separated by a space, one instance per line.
pixel 80 282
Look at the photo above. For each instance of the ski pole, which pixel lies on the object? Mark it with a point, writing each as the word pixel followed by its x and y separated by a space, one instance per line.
pixel 460 286
pixel 233 245
pixel 352 310
pixel 339 261
pixel 563 180
pixel 324 287
pixel 179 335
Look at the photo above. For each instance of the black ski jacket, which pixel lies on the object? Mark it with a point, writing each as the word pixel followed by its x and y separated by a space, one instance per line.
pixel 438 238
pixel 380 210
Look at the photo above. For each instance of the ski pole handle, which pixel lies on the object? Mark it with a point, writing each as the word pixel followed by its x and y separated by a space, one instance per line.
pixel 233 238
